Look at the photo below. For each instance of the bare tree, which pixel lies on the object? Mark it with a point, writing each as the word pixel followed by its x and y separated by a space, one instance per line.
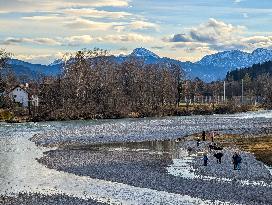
pixel 93 85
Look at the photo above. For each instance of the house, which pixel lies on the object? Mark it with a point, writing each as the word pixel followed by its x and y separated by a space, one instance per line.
pixel 24 95
pixel 19 94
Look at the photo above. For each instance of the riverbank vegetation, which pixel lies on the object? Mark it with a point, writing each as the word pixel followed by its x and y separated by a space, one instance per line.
pixel 92 85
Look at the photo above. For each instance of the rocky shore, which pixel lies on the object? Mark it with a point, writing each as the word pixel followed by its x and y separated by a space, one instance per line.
pixel 251 170
pixel 148 169
pixel 38 199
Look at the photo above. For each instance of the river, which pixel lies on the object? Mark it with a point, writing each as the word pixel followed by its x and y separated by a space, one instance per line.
pixel 20 171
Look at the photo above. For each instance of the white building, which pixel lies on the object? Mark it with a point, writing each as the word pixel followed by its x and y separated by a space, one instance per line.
pixel 35 100
pixel 20 95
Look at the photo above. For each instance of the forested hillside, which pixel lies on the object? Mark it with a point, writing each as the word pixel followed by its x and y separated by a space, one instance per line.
pixel 253 72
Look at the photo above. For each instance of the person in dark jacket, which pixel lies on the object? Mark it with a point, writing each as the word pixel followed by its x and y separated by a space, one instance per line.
pixel 218 157
pixel 239 161
pixel 205 160
pixel 203 136
pixel 235 160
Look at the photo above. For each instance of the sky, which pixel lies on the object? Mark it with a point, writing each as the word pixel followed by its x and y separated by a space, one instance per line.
pixel 41 31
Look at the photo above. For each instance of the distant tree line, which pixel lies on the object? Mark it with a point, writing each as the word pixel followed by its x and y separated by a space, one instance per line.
pixel 257 81
pixel 196 88
pixel 94 86
pixel 253 72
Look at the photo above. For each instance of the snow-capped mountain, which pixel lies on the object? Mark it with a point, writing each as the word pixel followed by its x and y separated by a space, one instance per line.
pixel 228 59
pixel 144 53
pixel 209 68
pixel 236 58
pixel 57 62
pixel 216 66
pixel 260 55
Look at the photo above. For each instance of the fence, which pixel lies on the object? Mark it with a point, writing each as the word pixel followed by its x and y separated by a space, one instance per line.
pixel 238 100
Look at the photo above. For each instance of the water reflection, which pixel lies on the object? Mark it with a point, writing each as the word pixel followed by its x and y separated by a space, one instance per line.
pixel 158 146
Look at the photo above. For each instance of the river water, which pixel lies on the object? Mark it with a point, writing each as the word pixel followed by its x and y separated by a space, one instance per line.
pixel 20 171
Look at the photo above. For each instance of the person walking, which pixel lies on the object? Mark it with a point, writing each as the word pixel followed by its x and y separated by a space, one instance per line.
pixel 205 160
pixel 203 136
pixel 218 157
pixel 235 159
pixel 239 161
pixel 212 136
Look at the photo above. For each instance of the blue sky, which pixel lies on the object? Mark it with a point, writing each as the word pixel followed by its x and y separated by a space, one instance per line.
pixel 43 30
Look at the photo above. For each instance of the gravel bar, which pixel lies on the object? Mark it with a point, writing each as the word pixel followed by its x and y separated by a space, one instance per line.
pixel 145 169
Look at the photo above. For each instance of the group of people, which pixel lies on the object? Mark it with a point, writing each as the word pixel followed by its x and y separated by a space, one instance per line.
pixel 236 158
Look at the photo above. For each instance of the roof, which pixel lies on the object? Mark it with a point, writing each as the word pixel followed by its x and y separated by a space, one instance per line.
pixel 18 86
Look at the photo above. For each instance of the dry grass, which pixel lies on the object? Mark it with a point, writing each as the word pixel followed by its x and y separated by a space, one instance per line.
pixel 260 146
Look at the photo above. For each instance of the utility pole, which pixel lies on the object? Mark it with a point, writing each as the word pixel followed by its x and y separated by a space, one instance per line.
pixel 242 91
pixel 224 91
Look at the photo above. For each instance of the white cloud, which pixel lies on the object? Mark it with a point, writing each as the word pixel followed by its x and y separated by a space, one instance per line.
pixel 91 18
pixel 33 57
pixel 245 15
pixel 214 34
pixel 78 40
pixel 40 41
pixel 47 57
pixel 73 22
pixel 237 1
pixel 53 5
pixel 131 37
pixel 254 42
pixel 94 13
pixel 84 24
pixel 189 45
pixel 213 31
pixel 136 25
pixel 99 3
pixel 179 38
pixel 41 18
pixel 258 39
pixel 139 25
pixel 87 39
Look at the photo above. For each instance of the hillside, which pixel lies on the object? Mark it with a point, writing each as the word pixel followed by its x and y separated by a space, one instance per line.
pixel 253 71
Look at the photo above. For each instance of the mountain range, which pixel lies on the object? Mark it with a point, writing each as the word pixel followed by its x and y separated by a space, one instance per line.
pixel 209 68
